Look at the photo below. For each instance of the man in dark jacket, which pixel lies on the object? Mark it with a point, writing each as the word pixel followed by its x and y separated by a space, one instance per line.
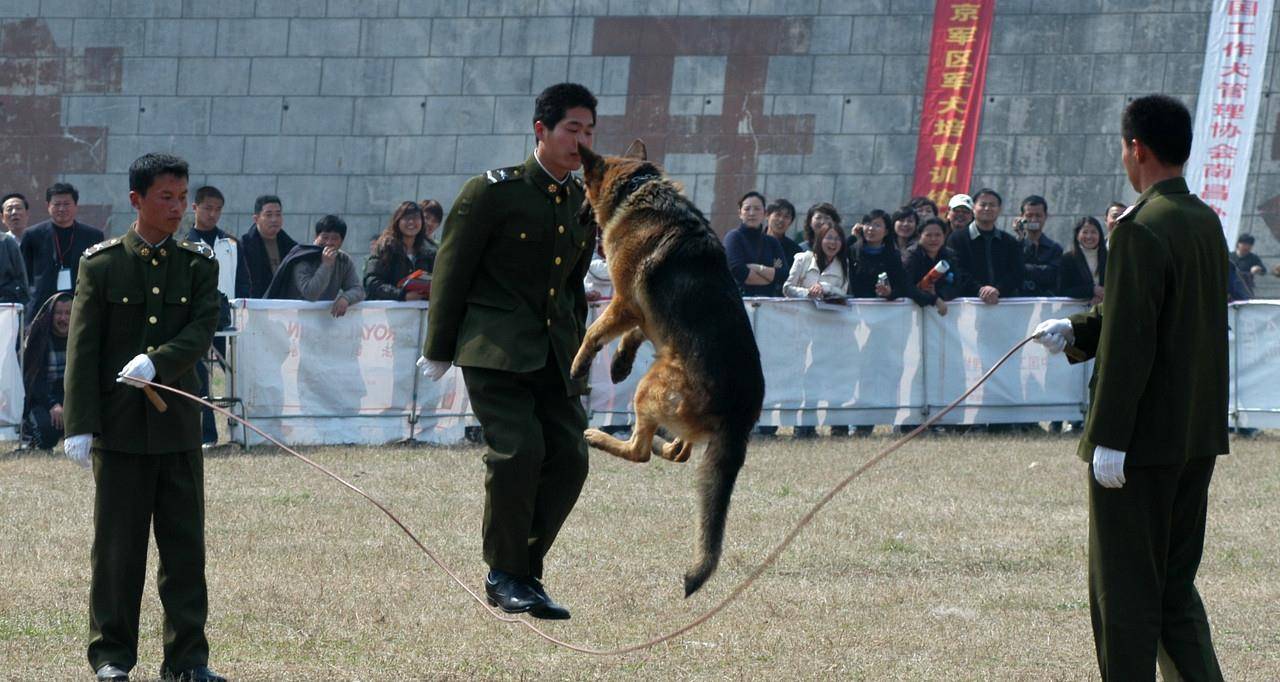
pixel 1041 256
pixel 991 256
pixel 44 362
pixel 1157 416
pixel 51 249
pixel 265 244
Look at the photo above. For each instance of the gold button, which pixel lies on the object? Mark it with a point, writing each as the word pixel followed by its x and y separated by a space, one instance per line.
pixel 548 322
pixel 557 198
pixel 561 229
pixel 124 299
pixel 523 235
pixel 155 262
pixel 183 299
pixel 150 348
pixel 152 319
pixel 155 290
pixel 557 260
pixel 553 292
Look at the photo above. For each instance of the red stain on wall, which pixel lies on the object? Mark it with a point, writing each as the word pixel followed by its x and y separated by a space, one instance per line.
pixel 35 147
pixel 741 132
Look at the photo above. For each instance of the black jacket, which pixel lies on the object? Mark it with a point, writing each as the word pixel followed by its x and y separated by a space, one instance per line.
pixel 45 253
pixel 382 277
pixel 1074 279
pixel 1006 270
pixel 865 269
pixel 952 285
pixel 1041 264
pixel 255 257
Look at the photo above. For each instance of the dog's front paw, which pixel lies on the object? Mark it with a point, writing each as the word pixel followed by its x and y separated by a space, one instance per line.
pixel 595 438
pixel 582 363
pixel 621 366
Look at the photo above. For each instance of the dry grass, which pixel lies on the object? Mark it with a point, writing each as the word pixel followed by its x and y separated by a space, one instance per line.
pixel 958 558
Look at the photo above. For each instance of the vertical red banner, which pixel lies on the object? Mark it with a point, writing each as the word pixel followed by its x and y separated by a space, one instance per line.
pixel 953 97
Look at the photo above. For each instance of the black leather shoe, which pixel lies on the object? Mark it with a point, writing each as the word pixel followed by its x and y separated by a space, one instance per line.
pixel 548 609
pixel 200 673
pixel 508 592
pixel 112 672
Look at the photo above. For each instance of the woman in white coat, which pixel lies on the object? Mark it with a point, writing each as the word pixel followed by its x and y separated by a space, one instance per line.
pixel 822 272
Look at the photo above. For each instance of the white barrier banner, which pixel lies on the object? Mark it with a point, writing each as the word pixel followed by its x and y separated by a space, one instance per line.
pixel 11 389
pixel 1255 368
pixel 310 378
pixel 1032 387
pixel 845 365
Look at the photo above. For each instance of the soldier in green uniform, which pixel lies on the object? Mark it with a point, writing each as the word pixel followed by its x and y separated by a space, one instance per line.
pixel 1158 411
pixel 146 307
pixel 508 307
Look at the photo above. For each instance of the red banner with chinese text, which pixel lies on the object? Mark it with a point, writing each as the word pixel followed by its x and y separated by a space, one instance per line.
pixel 952 98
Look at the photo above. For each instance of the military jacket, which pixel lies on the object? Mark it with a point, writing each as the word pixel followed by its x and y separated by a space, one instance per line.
pixel 133 298
pixel 1159 388
pixel 507 290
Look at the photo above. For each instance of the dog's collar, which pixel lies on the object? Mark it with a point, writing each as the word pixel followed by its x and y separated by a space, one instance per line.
pixel 631 185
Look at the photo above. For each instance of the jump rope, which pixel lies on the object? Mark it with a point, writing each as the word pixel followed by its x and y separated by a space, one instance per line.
pixel 149 386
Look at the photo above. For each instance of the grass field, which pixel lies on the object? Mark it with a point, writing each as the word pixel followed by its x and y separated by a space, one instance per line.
pixel 957 558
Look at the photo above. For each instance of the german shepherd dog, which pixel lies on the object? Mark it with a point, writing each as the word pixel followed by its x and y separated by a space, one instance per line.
pixel 672 286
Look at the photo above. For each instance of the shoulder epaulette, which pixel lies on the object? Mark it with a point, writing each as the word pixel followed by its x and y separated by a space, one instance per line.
pixel 197 247
pixel 1129 212
pixel 101 246
pixel 503 174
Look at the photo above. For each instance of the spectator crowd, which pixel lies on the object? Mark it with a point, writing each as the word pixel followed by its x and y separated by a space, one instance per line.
pixel 917 252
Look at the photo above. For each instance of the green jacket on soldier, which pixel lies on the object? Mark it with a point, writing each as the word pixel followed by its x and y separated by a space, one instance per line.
pixel 1142 387
pixel 509 271
pixel 133 298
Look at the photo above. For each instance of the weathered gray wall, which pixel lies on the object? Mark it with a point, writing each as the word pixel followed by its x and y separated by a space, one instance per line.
pixel 350 106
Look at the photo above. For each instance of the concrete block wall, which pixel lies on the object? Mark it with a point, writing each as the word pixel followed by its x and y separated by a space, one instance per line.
pixel 350 106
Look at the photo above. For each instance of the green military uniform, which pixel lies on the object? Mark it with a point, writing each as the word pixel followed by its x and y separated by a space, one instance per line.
pixel 508 306
pixel 134 298
pixel 1159 394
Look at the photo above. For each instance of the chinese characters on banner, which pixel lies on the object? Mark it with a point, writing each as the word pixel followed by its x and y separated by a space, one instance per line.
pixel 952 98
pixel 1227 110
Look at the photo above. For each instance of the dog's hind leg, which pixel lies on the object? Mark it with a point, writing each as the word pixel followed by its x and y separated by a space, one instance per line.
pixel 625 357
pixel 615 319
pixel 636 450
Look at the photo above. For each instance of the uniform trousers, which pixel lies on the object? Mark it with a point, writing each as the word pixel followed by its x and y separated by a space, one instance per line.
pixel 536 461
pixel 133 492
pixel 1145 543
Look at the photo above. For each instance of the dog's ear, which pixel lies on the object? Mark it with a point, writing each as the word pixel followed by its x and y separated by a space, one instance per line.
pixel 637 150
pixel 592 165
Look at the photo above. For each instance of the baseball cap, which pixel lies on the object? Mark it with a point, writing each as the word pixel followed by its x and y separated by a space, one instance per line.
pixel 961 200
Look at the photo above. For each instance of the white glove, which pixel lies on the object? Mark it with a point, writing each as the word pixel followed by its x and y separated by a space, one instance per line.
pixel 434 369
pixel 1108 467
pixel 140 367
pixel 77 448
pixel 1055 335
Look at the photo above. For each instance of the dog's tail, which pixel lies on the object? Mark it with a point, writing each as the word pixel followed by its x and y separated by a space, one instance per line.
pixel 717 474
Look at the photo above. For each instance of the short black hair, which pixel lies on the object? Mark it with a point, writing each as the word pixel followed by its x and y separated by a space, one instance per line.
pixel 264 200
pixel 750 194
pixel 877 213
pixel 1242 239
pixel 904 213
pixel 16 195
pixel 332 223
pixel 66 188
pixel 555 101
pixel 917 202
pixel 1162 124
pixel 146 168
pixel 987 190
pixel 1033 200
pixel 781 205
pixel 942 224
pixel 209 192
